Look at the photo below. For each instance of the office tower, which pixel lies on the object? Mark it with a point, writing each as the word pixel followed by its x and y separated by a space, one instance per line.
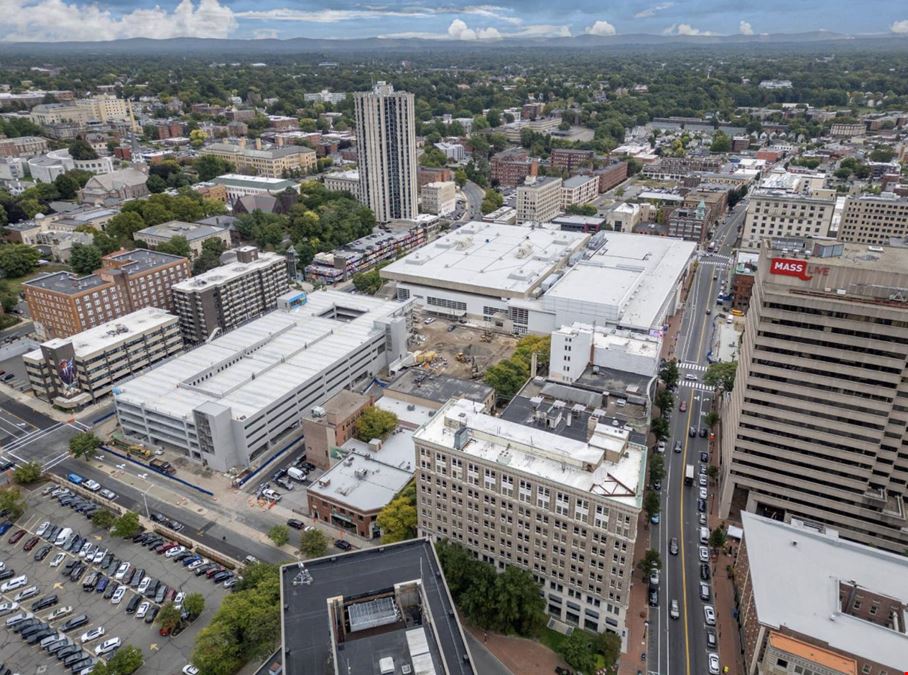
pixel 386 144
pixel 815 427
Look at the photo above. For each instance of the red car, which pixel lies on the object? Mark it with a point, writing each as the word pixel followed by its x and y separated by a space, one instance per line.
pixel 14 539
pixel 30 544
pixel 163 548
pixel 683 406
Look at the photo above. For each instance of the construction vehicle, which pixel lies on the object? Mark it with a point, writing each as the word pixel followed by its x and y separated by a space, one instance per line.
pixel 162 466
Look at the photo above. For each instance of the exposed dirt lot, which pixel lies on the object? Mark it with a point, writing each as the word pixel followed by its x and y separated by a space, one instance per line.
pixel 466 339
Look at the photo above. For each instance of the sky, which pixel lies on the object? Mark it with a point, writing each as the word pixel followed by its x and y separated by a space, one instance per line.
pixel 86 20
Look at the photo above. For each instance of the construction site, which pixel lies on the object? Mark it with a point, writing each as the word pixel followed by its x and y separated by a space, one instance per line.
pixel 464 351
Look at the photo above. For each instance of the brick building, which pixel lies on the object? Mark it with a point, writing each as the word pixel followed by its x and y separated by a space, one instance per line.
pixel 611 175
pixel 332 424
pixel 510 167
pixel 570 160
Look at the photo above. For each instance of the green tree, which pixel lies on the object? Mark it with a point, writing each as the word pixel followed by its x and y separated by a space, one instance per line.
pixel 492 201
pixel 368 282
pixel 169 616
pixel 194 604
pixel 397 519
pixel 712 419
pixel 717 537
pixel 197 138
pixel 103 519
pixel 279 534
pixel 125 661
pixel 156 184
pixel 375 423
pixel 651 503
pixel 577 650
pixel 27 473
pixel 506 378
pixel 83 445
pixel 665 400
pixel 582 210
pixel 660 428
pixel 460 177
pixel 124 225
pixel 721 142
pixel 80 149
pixel 126 525
pixel 84 258
pixel 313 543
pixel 721 375
pixel 67 185
pixel 713 472
pixel 669 373
pixel 209 167
pixel 176 246
pixel 12 500
pixel 104 243
pixel 882 154
pixel 657 468
pixel 650 561
pixel 17 260
pixel 609 645
pixel 433 157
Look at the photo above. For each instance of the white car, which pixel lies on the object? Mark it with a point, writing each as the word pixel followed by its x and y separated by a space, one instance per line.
pixel 691 377
pixel 58 559
pixel 108 494
pixel 143 585
pixel 118 595
pixel 675 611
pixel 99 555
pixel 143 610
pixel 703 553
pixel 271 494
pixel 122 570
pixel 178 600
pixel 702 480
pixel 86 547
pixel 7 607
pixel 26 593
pixel 94 486
pixel 660 448
pixel 92 634
pixel 197 563
pixel 172 553
pixel 703 494
pixel 14 583
pixel 190 669
pixel 42 528
pixel 713 663
pixel 709 615
pixel 59 613
pixel 107 646
pixel 2 565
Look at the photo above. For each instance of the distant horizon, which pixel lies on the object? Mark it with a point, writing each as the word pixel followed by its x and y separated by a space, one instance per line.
pixel 456 20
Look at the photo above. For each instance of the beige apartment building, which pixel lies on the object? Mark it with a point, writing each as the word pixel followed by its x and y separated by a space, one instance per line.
pixel 564 509
pixel 875 220
pixel 773 213
pixel 273 162
pixel 579 190
pixel 539 199
pixel 439 197
pixel 815 427
pixel 386 148
pixel 101 108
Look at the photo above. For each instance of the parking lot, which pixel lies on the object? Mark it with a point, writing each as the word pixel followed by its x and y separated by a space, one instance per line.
pixel 162 654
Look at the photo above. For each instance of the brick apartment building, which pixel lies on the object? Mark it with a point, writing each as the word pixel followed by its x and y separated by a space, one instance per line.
pixel 611 175
pixel 570 160
pixel 510 167
pixel 427 174
pixel 62 303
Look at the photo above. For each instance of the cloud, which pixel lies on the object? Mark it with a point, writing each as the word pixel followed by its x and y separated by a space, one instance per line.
pixel 366 12
pixel 490 33
pixel 58 20
pixel 651 11
pixel 459 30
pixel 601 27
pixel 685 29
pixel 265 34
pixel 900 27
pixel 540 30
pixel 744 28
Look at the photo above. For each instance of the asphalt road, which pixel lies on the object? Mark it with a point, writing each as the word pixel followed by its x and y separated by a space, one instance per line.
pixel 678 646
pixel 474 195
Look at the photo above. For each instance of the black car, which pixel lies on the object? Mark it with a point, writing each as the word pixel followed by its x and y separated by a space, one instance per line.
pixel 31 630
pixel 692 432
pixel 677 447
pixel 133 604
pixel 111 589
pixel 711 641
pixel 73 623
pixel 179 557
pixel 152 613
pixel 90 582
pixel 73 658
pixel 221 576
pixel 704 571
pixel 42 552
pixel 704 432
pixel 158 517
pixel 40 635
pixel 8 573
pixel 653 597
pixel 704 457
pixel 77 572
pixel 140 537
pixel 69 651
pixel 701 505
pixel 79 666
pixel 44 603
pixel 70 565
pixel 105 562
pixel 295 524
pixel 58 646
pixel 343 545
pixel 152 588
pixel 22 625
pixel 137 578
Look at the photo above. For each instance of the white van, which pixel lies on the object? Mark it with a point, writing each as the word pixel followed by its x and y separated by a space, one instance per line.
pixel 296 474
pixel 62 535
pixel 14 583
pixel 704 535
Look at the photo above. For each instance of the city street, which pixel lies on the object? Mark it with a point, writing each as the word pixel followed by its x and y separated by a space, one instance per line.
pixel 680 645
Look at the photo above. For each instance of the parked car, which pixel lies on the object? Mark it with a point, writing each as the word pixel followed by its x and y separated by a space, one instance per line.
pixel 75 622
pixel 343 545
pixel 44 603
pixel 142 610
pixel 295 524
pixel 107 646
pixel 118 595
pixel 16 536
pixel 709 615
pixel 92 634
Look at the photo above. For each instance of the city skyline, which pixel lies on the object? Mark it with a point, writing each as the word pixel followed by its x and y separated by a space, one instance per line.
pixel 74 20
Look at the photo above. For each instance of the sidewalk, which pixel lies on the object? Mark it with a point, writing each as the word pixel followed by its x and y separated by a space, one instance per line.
pixel 730 650
pixel 638 606
pixel 519 655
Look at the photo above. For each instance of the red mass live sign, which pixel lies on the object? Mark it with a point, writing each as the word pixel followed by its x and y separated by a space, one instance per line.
pixel 790 267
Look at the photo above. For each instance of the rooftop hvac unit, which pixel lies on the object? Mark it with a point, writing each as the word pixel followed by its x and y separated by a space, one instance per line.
pixel 318 411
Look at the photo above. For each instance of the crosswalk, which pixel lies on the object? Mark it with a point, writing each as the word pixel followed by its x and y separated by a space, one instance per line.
pixel 715 263
pixel 698 386
pixel 687 365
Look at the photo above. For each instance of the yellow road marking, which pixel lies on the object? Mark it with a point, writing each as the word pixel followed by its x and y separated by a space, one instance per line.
pixel 690 411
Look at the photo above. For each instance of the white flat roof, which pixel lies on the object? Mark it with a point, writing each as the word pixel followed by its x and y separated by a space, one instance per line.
pixel 487 259
pixel 224 273
pixel 367 480
pixel 796 573
pixel 632 274
pixel 272 357
pixel 518 448
pixel 109 334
